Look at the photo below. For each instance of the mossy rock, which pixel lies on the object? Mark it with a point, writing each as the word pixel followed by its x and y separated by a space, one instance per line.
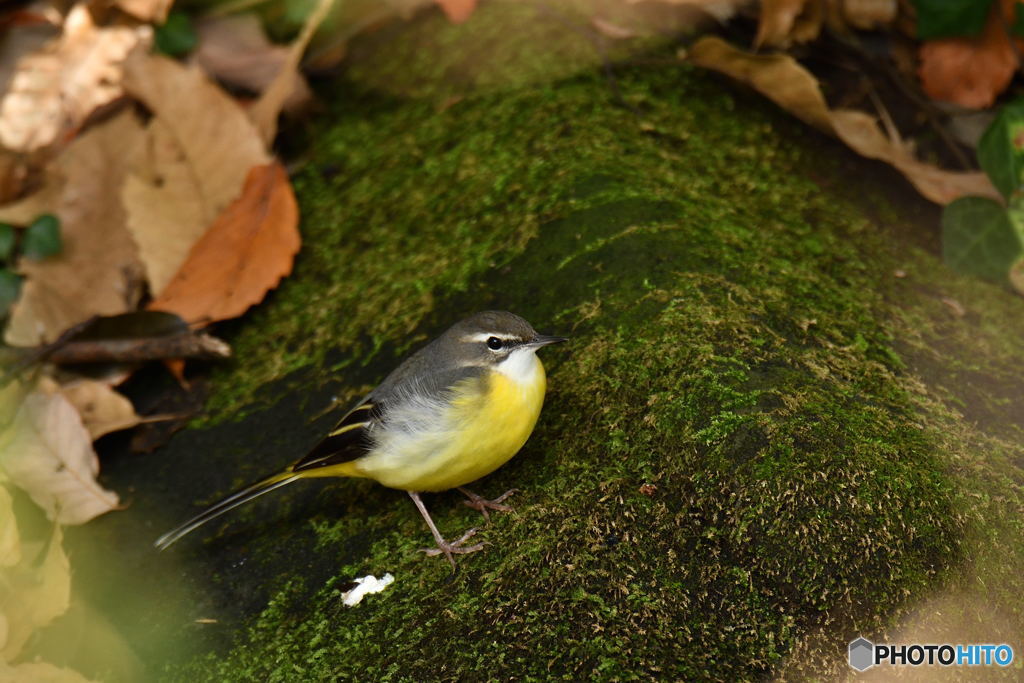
pixel 752 448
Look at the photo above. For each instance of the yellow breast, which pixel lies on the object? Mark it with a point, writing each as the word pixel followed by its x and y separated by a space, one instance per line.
pixel 488 421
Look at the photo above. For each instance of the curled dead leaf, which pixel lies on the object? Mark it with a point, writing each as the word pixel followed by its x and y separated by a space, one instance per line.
pixel 153 11
pixel 102 409
pixel 243 255
pixel 457 11
pixel 10 539
pixel 870 14
pixel 776 20
pixel 47 452
pixel 98 271
pixel 268 107
pixel 54 89
pixel 192 161
pixel 971 72
pixel 235 50
pixel 34 592
pixel 781 79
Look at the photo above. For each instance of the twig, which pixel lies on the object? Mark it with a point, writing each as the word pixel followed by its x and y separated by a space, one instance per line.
pixel 186 345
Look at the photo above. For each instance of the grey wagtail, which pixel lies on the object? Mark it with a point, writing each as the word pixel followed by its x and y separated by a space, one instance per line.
pixel 454 411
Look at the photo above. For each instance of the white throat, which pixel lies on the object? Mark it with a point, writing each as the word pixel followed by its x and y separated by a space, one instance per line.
pixel 521 365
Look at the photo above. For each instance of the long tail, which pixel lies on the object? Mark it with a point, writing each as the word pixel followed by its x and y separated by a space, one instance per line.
pixel 229 503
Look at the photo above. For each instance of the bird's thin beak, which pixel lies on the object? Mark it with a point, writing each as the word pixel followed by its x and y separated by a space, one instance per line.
pixel 544 340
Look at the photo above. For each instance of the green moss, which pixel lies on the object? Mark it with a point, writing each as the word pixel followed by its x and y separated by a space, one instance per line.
pixel 740 449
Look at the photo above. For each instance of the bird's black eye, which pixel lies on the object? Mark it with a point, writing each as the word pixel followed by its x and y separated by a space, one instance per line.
pixel 494 344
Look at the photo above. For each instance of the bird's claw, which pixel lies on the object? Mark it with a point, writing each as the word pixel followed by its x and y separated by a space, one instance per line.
pixel 455 547
pixel 482 504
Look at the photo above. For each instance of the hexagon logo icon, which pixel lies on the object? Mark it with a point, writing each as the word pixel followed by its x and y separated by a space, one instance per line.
pixel 862 654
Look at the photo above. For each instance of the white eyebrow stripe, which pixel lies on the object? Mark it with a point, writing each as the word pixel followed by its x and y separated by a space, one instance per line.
pixel 484 336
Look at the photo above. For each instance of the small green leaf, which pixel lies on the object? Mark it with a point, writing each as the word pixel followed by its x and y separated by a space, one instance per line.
pixel 950 18
pixel 42 238
pixel 1018 21
pixel 176 36
pixel 1001 148
pixel 6 241
pixel 10 285
pixel 980 238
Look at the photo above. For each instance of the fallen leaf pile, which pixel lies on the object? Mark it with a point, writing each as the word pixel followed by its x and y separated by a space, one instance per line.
pixel 167 196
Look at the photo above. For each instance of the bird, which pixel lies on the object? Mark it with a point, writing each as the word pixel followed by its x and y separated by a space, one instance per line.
pixel 451 413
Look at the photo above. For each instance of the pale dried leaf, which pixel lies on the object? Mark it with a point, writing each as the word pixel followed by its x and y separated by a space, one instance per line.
pixel 10 539
pixel 243 255
pixel 267 108
pixel 34 593
pixel 197 152
pixel 781 79
pixel 152 11
pixel 102 409
pixel 870 14
pixel 722 10
pixel 20 43
pixel 236 51
pixel 48 453
pixel 40 672
pixel 775 22
pixel 54 89
pixel 98 271
pixel 165 204
pixel 611 29
pixel 26 210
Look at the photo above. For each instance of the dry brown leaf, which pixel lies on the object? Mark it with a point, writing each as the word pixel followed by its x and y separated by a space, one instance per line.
pixel 870 14
pixel 193 162
pixel 970 72
pixel 236 51
pixel 33 593
pixel 722 10
pixel 26 210
pixel 789 85
pixel 775 22
pixel 164 202
pixel 243 255
pixel 98 271
pixel 47 452
pixel 10 539
pixel 457 11
pixel 611 29
pixel 153 11
pixel 40 672
pixel 268 107
pixel 102 409
pixel 55 88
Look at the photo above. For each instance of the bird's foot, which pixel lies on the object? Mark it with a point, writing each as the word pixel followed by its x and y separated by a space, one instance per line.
pixel 483 505
pixel 454 548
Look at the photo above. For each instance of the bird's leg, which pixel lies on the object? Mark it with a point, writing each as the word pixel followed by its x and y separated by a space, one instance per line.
pixel 483 505
pixel 444 546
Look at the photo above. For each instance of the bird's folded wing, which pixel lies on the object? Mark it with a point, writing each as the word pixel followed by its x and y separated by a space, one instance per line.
pixel 347 441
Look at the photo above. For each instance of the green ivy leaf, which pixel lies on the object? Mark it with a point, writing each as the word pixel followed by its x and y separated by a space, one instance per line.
pixel 979 237
pixel 1018 21
pixel 42 238
pixel 10 285
pixel 6 241
pixel 1001 148
pixel 176 36
pixel 950 18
